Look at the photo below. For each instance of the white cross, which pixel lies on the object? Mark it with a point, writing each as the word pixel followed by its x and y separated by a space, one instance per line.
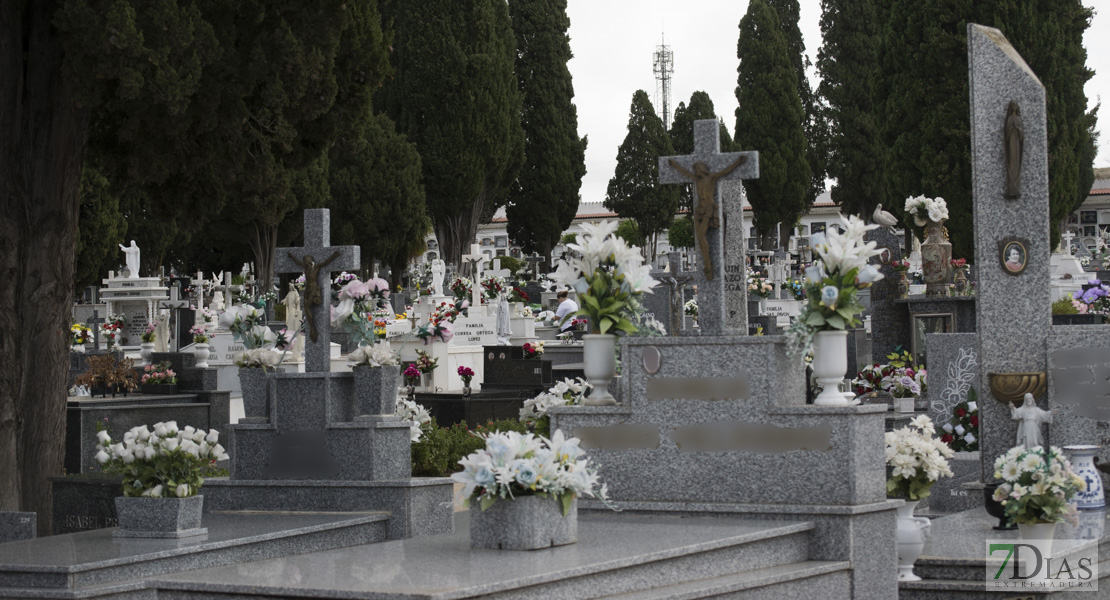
pixel 1068 236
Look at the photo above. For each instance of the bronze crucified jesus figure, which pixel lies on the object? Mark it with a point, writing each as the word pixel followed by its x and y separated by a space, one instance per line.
pixel 705 212
pixel 313 295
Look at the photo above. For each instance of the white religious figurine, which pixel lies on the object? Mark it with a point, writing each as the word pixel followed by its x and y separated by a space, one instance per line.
pixel 504 324
pixel 1030 418
pixel 439 269
pixel 217 303
pixel 132 259
pixel 162 333
pixel 292 304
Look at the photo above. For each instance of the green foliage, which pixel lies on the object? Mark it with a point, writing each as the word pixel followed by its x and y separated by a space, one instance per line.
pixel 439 451
pixel 544 198
pixel 681 233
pixel 377 199
pixel 101 230
pixel 512 264
pixel 900 360
pixel 568 238
pixel 769 120
pixel 927 127
pixel 682 136
pixel 629 231
pixel 1064 306
pixel 455 96
pixel 848 62
pixel 634 191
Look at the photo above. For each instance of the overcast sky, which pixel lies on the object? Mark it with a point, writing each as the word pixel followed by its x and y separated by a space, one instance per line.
pixel 614 40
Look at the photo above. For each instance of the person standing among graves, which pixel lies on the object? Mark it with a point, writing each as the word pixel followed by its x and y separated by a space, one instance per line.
pixel 566 307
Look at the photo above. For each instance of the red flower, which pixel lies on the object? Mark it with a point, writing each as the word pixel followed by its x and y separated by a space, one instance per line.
pixel 947 438
pixel 960 412
pixel 975 420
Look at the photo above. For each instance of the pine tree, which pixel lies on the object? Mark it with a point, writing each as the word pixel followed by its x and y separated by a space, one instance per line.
pixel 544 198
pixel 848 62
pixel 769 121
pixel 814 113
pixel 682 136
pixel 455 96
pixel 634 191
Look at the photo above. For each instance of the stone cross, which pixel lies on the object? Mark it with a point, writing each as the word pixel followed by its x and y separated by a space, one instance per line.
pixel 677 279
pixel 475 258
pixel 317 259
pixel 1067 237
pixel 498 271
pixel 1013 317
pixel 174 304
pixel 228 299
pixel 535 259
pixel 94 323
pixel 198 289
pixel 709 166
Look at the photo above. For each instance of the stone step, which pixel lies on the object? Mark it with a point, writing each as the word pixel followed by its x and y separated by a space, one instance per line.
pixel 69 565
pixel 809 579
pixel 615 554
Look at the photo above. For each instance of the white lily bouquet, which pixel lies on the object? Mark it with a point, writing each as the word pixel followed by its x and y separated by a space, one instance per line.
pixel 1038 485
pixel 520 464
pixel 415 415
pixel 247 324
pixel 609 276
pixel 355 313
pixel 565 393
pixel 164 463
pixel 926 209
pixel 378 355
pixel 832 284
pixel 916 460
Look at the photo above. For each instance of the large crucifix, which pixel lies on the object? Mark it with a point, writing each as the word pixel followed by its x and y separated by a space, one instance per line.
pixel 317 259
pixel 705 168
pixel 535 260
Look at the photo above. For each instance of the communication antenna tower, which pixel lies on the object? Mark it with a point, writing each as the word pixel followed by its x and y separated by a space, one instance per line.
pixel 664 70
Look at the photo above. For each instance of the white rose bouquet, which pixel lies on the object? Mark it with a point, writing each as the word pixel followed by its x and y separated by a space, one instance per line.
pixel 380 355
pixel 166 462
pixel 565 393
pixel 247 324
pixel 916 460
pixel 1037 485
pixel 514 464
pixel 609 276
pixel 832 302
pixel 926 209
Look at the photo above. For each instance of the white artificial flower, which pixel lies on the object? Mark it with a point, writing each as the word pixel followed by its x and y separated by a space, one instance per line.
pixel 970 438
pixel 182 490
pixel 972 406
pixel 947 427
pixel 960 430
pixel 102 457
pixel 213 436
pixel 156 491
pixel 103 437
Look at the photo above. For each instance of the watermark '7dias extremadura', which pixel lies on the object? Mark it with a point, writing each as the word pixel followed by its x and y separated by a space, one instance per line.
pixel 1032 565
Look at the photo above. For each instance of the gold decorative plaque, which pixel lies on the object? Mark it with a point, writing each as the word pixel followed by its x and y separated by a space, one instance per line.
pixel 1010 388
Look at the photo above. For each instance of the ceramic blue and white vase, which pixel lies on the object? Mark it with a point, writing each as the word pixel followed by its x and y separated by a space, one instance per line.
pixel 1082 462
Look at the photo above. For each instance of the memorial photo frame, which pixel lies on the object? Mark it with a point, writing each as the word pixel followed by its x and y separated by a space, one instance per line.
pixel 1013 255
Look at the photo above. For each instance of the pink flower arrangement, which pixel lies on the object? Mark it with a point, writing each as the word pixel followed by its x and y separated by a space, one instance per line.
pixel 411 373
pixel 466 373
pixel 160 374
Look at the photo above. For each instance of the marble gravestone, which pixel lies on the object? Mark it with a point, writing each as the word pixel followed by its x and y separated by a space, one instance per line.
pixel 736 290
pixel 316 450
pixel 1013 312
pixel 890 320
pixel 718 275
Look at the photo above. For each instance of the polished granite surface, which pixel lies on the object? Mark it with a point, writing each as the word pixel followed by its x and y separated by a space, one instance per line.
pixel 97 548
pixel 445 566
pixel 962 536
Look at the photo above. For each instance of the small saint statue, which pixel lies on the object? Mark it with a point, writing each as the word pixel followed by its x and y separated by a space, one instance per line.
pixel 1029 419
pixel 439 270
pixel 504 324
pixel 1013 140
pixel 131 254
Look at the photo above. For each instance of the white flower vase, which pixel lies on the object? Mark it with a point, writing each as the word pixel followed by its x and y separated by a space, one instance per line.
pixel 830 362
pixel 1082 461
pixel 1039 535
pixel 904 405
pixel 79 348
pixel 202 352
pixel 146 350
pixel 911 534
pixel 599 363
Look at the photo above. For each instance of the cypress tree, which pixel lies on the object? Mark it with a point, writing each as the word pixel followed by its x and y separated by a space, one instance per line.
pixel 682 136
pixel 769 120
pixel 544 198
pixel 848 62
pixel 634 191
pixel 455 96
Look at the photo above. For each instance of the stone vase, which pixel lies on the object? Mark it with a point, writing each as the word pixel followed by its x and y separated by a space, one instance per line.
pixel 79 348
pixel 202 352
pixel 911 534
pixel 159 517
pixel 1041 536
pixel 904 405
pixel 830 362
pixel 599 364
pixel 523 523
pixel 375 389
pixel 960 282
pixel 256 392
pixel 1082 462
pixel 903 285
pixel 936 254
pixel 146 350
